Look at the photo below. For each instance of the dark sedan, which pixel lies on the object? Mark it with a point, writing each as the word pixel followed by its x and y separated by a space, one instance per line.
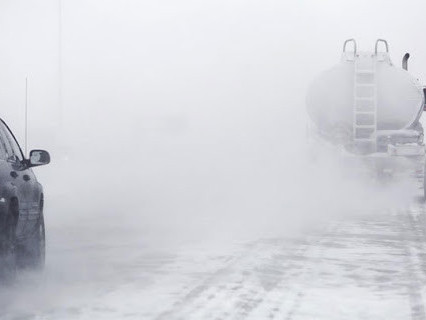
pixel 22 232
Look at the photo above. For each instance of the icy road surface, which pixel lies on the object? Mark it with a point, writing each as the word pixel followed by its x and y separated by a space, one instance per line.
pixel 364 266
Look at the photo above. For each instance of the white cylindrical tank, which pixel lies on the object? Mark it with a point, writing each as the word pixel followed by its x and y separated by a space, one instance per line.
pixel 399 96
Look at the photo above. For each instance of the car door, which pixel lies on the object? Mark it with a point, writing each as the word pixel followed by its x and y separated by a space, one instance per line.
pixel 23 180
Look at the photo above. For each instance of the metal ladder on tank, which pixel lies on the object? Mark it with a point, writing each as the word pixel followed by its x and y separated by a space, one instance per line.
pixel 365 100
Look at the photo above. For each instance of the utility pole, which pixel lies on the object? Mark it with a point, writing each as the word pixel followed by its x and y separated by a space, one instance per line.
pixel 60 62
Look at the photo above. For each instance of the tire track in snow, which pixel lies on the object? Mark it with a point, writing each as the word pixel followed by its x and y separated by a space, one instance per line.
pixel 237 289
pixel 313 253
pixel 316 254
pixel 255 285
pixel 410 233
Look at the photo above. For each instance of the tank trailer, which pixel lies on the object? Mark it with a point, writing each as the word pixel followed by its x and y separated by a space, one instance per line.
pixel 371 109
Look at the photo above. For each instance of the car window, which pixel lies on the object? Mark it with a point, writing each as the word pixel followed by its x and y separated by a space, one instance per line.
pixel 3 150
pixel 5 142
pixel 11 145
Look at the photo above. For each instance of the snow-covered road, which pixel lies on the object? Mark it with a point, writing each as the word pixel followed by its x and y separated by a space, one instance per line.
pixel 363 266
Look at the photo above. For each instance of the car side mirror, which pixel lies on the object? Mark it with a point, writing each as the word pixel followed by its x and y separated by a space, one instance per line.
pixel 38 158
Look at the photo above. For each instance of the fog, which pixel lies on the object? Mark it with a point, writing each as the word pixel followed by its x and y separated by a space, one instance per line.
pixel 176 122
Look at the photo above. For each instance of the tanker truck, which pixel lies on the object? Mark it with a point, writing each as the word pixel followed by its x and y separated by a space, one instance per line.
pixel 371 109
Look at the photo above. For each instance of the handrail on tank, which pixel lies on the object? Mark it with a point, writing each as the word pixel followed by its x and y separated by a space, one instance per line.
pixel 405 61
pixel 346 42
pixel 377 44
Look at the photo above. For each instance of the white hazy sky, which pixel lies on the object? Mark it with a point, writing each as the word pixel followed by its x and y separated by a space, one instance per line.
pixel 181 59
